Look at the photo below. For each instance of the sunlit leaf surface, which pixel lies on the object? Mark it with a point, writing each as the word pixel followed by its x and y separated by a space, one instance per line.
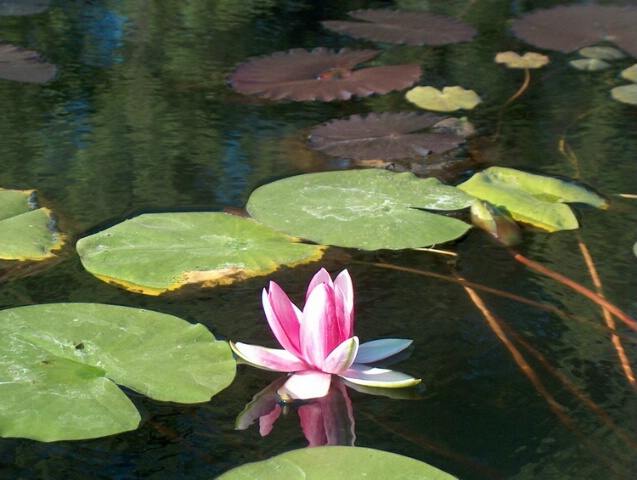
pixel 154 253
pixel 625 94
pixel 528 60
pixel 590 64
pixel 60 364
pixel 602 53
pixel 449 99
pixel 26 232
pixel 366 209
pixel 534 199
pixel 630 73
pixel 336 462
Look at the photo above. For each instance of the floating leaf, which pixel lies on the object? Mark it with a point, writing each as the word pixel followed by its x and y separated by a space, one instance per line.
pixel 528 60
pixel 530 198
pixel 22 65
pixel 319 463
pixel 320 74
pixel 403 27
pixel 449 100
pixel 625 94
pixel 385 136
pixel 497 224
pixel 590 64
pixel 155 253
pixel 366 209
pixel 60 364
pixel 602 53
pixel 27 233
pixel 22 7
pixel 630 73
pixel 569 28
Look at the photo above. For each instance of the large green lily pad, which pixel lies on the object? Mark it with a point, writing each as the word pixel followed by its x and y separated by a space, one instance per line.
pixel 333 462
pixel 534 199
pixel 26 232
pixel 366 209
pixel 155 253
pixel 60 363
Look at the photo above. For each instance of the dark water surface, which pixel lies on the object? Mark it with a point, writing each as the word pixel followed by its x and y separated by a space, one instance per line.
pixel 139 118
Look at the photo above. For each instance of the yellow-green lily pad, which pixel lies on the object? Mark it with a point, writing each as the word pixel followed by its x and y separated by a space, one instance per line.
pixel 625 93
pixel 602 53
pixel 156 253
pixel 590 64
pixel 27 233
pixel 630 73
pixel 537 200
pixel 447 100
pixel 528 60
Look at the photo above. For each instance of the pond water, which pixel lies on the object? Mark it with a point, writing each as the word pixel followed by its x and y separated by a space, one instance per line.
pixel 140 119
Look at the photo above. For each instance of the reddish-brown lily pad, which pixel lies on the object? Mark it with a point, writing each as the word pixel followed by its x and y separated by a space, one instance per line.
pixel 403 27
pixel 387 136
pixel 22 65
pixel 569 28
pixel 320 74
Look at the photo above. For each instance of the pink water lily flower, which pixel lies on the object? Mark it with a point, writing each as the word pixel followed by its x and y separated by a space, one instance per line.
pixel 319 341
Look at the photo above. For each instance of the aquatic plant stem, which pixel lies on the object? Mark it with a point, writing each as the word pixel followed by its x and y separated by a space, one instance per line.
pixel 522 89
pixel 557 408
pixel 575 286
pixel 610 322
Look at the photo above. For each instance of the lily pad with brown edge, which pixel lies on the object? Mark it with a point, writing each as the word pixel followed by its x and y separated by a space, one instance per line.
pixel 27 233
pixel 403 27
pixel 320 74
pixel 22 65
pixel 449 99
pixel 161 252
pixel 625 94
pixel 61 365
pixel 571 27
pixel 364 209
pixel 528 60
pixel 385 136
pixel 536 200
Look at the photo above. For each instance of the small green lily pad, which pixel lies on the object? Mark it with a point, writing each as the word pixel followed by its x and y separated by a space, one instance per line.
pixel 590 64
pixel 319 463
pixel 534 199
pixel 366 209
pixel 155 253
pixel 602 53
pixel 630 73
pixel 27 233
pixel 625 94
pixel 528 60
pixel 60 365
pixel 448 100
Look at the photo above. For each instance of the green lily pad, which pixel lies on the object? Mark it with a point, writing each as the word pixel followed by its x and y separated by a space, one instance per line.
pixel 60 363
pixel 602 53
pixel 319 463
pixel 26 232
pixel 448 100
pixel 625 94
pixel 630 73
pixel 528 60
pixel 590 64
pixel 534 199
pixel 366 209
pixel 155 253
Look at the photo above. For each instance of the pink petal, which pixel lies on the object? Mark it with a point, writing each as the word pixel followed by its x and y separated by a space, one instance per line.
pixel 319 328
pixel 341 357
pixel 283 317
pixel 306 385
pixel 321 277
pixel 379 349
pixel 268 358
pixel 345 303
pixel 266 422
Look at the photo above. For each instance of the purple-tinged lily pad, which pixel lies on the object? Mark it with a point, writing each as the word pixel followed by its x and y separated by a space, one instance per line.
pixel 569 28
pixel 386 136
pixel 403 27
pixel 320 74
pixel 22 65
